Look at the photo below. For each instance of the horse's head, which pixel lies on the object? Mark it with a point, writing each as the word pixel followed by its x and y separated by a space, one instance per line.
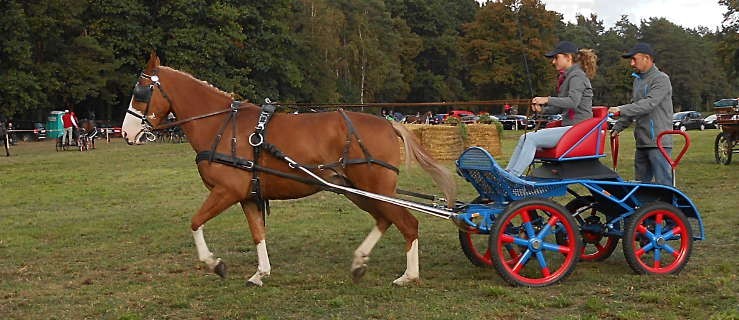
pixel 149 104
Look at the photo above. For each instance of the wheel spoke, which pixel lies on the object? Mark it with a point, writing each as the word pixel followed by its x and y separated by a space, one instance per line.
pixel 643 230
pixel 658 224
pixel 522 262
pixel 555 247
pixel 527 224
pixel 657 257
pixel 542 264
pixel 670 250
pixel 644 249
pixel 673 234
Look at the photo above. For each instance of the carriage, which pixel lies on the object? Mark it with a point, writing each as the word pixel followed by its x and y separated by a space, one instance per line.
pixel 727 118
pixel 528 237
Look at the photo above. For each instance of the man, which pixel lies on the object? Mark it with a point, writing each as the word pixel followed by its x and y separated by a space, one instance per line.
pixel 69 119
pixel 651 109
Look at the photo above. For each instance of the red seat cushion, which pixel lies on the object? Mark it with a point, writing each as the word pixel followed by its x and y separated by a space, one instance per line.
pixel 581 140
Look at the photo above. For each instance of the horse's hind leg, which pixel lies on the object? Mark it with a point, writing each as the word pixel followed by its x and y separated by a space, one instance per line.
pixel 217 201
pixel 256 224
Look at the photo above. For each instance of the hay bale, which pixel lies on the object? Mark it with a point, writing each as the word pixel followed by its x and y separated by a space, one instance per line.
pixel 442 142
pixel 445 142
pixel 485 136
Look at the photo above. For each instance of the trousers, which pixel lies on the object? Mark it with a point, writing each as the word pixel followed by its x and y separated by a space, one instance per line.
pixel 525 150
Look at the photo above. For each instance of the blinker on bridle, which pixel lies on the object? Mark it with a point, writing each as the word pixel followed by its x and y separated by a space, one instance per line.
pixel 142 93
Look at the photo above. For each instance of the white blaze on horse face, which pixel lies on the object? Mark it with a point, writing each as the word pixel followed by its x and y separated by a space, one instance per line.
pixel 132 126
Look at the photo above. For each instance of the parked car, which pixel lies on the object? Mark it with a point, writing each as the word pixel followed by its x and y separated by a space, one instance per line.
pixel 29 130
pixel 438 118
pixel 514 121
pixel 460 113
pixel 710 122
pixel 687 120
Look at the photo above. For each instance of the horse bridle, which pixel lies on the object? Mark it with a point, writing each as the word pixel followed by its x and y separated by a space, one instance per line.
pixel 143 93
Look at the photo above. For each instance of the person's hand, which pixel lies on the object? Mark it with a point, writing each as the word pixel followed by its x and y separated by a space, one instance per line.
pixel 536 107
pixel 614 133
pixel 614 110
pixel 540 100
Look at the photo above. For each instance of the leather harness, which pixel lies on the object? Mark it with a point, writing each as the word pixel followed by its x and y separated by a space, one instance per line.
pixel 258 142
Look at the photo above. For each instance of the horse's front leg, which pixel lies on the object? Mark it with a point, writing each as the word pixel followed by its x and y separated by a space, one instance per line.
pixel 218 200
pixel 255 218
pixel 361 254
pixel 204 255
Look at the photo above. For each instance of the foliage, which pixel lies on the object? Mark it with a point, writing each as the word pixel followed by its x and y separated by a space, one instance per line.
pixel 85 54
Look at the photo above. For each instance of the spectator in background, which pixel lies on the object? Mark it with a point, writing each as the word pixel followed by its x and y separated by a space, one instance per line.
pixel 69 119
pixel 651 108
pixel 574 99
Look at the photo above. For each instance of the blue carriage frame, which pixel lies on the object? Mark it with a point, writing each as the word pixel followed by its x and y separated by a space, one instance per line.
pixel 618 198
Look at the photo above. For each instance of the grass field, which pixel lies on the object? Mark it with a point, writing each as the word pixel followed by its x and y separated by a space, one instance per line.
pixel 105 235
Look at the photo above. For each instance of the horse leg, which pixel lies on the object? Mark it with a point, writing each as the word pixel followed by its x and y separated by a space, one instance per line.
pixel 406 224
pixel 258 233
pixel 218 200
pixel 361 255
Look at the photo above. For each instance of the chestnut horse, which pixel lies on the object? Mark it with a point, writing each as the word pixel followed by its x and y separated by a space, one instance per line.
pixel 309 139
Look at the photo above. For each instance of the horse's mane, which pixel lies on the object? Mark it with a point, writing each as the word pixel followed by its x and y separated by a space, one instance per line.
pixel 201 82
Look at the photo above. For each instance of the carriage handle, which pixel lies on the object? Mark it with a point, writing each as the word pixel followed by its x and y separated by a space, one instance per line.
pixel 614 151
pixel 673 162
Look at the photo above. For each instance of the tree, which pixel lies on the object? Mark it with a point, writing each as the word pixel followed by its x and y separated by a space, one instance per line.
pixel 503 39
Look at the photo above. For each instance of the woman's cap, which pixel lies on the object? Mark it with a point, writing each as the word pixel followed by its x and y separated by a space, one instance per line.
pixel 562 47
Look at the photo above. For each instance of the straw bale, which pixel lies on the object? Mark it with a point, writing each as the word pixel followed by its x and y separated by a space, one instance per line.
pixel 485 136
pixel 443 142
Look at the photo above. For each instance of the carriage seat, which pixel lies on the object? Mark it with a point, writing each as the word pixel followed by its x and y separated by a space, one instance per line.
pixel 584 140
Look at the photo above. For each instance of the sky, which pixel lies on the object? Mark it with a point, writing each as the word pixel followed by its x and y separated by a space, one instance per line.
pixel 686 13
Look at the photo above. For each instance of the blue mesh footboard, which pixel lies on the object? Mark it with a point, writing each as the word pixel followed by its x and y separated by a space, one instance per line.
pixel 492 182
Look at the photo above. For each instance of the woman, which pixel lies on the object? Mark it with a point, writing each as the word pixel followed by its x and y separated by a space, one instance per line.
pixel 574 101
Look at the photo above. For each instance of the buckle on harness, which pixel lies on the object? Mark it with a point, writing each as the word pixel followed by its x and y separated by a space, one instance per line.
pixel 259 142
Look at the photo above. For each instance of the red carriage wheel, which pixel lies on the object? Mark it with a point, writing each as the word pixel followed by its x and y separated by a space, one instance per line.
pixel 475 248
pixel 657 239
pixel 595 245
pixel 524 247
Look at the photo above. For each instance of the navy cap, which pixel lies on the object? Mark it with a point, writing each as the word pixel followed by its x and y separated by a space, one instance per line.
pixel 562 47
pixel 641 47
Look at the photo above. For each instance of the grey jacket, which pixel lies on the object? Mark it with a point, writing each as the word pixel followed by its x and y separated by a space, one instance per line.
pixel 650 107
pixel 574 93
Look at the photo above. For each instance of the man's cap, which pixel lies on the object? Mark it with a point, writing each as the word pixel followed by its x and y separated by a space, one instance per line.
pixel 641 47
pixel 562 47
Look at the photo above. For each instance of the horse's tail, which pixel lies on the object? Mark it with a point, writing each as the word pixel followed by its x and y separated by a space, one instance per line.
pixel 441 175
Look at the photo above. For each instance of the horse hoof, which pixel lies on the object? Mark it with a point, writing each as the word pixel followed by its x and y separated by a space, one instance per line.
pixel 405 280
pixel 358 273
pixel 220 269
pixel 254 283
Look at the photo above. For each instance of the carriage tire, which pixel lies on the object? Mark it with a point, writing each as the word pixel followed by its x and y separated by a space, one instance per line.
pixel 523 260
pixel 722 149
pixel 603 250
pixel 471 251
pixel 643 253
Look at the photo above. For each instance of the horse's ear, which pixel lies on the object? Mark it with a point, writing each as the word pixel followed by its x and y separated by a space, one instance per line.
pixel 153 61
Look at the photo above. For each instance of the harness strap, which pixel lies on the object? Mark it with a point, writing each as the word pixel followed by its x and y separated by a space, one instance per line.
pixel 249 165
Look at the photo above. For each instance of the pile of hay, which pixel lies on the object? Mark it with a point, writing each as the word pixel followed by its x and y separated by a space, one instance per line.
pixel 485 136
pixel 446 142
